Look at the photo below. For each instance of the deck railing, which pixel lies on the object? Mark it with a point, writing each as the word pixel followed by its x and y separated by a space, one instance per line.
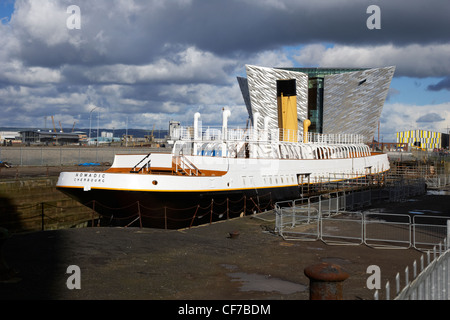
pixel 270 135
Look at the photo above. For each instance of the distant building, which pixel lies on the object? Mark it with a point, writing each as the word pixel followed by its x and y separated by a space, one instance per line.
pixel 423 139
pixel 49 137
pixel 9 137
pixel 335 100
pixel 174 128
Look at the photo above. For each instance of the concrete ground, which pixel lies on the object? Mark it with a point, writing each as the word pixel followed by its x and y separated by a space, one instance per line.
pixel 201 263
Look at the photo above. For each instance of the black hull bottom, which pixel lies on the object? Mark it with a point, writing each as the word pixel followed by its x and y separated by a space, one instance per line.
pixel 175 210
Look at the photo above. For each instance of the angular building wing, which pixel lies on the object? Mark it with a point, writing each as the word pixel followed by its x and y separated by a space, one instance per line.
pixel 335 100
pixel 353 101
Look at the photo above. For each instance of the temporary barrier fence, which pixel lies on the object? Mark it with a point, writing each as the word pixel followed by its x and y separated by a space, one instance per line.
pixel 428 231
pixel 437 181
pixel 294 214
pixel 387 230
pixel 305 219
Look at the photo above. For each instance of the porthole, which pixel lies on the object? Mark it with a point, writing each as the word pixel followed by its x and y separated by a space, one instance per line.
pixel 154 182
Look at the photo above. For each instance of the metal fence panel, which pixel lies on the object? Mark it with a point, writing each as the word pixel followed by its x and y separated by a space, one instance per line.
pixel 387 230
pixel 428 231
pixel 298 223
pixel 345 228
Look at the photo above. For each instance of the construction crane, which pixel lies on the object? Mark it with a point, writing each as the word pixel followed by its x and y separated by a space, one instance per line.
pixel 53 121
pixel 149 137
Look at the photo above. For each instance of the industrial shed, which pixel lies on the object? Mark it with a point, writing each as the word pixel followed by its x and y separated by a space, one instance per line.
pixel 49 137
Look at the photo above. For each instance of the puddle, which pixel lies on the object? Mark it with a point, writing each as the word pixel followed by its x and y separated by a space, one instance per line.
pixel 313 248
pixel 259 282
pixel 425 212
pixel 438 192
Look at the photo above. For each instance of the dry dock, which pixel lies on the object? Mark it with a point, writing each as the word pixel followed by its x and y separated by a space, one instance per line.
pixel 199 263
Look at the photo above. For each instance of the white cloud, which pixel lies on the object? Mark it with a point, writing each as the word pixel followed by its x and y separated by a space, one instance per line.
pixel 16 73
pixel 401 117
pixel 189 65
pixel 42 20
pixel 271 58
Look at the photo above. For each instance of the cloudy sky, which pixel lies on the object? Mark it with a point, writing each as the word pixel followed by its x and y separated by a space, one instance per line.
pixel 145 62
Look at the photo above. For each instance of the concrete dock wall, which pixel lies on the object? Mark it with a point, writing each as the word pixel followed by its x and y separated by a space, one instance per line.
pixel 35 204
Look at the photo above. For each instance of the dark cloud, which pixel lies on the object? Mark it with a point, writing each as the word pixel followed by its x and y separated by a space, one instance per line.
pixel 444 84
pixel 142 31
pixel 430 117
pixel 164 58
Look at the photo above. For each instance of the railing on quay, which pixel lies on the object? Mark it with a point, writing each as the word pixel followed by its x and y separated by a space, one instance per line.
pixel 431 283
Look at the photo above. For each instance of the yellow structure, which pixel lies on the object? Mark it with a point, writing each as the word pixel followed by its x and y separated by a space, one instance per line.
pixel 420 139
pixel 287 110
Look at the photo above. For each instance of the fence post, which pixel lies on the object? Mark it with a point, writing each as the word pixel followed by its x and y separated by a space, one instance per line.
pixel 165 218
pixel 448 234
pixel 212 204
pixel 139 213
pixel 93 213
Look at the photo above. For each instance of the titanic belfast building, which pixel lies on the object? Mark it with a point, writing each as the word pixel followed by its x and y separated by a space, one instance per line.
pixel 335 100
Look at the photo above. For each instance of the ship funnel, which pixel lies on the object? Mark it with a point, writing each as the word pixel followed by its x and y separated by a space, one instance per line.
pixel 306 125
pixel 225 114
pixel 196 128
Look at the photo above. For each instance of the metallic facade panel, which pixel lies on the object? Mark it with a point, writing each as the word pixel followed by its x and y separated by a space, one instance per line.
pixel 353 101
pixel 243 84
pixel 262 87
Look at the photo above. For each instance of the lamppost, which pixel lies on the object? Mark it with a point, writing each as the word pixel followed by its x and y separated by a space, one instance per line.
pixel 98 117
pixel 90 120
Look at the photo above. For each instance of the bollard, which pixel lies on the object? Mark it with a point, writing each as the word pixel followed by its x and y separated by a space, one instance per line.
pixel 234 234
pixel 326 281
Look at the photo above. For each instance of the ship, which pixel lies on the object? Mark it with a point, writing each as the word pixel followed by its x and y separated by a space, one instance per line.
pixel 221 173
